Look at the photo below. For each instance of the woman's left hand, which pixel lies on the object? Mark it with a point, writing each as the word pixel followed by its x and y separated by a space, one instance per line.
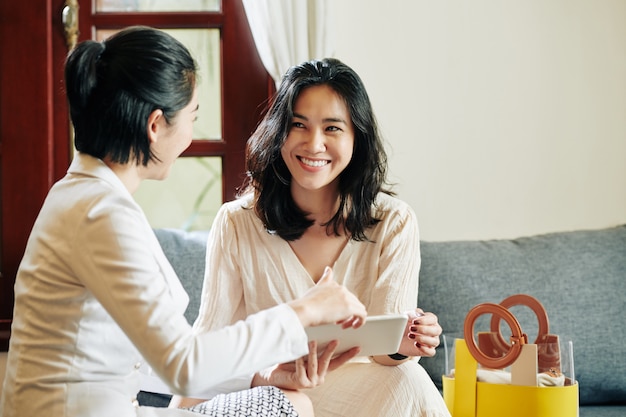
pixel 422 334
pixel 306 372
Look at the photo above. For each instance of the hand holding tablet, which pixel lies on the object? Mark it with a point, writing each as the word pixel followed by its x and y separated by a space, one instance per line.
pixel 380 335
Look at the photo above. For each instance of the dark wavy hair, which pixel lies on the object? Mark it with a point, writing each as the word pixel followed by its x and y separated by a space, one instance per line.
pixel 114 85
pixel 269 179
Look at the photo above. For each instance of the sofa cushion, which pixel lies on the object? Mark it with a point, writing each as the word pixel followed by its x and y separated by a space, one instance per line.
pixel 186 251
pixel 602 411
pixel 580 278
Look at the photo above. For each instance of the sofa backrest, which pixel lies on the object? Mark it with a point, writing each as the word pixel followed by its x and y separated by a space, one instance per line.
pixel 579 277
pixel 186 251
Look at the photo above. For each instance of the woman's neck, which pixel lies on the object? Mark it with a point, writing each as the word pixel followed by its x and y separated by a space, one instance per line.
pixel 128 173
pixel 320 204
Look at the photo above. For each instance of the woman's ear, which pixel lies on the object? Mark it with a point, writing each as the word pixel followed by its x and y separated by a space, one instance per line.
pixel 155 122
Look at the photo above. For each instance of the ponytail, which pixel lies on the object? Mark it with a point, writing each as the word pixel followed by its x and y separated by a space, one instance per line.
pixel 81 73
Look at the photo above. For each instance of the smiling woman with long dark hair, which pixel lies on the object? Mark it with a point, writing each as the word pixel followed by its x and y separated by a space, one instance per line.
pixel 316 195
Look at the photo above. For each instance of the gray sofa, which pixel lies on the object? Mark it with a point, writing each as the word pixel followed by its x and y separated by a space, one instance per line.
pixel 579 276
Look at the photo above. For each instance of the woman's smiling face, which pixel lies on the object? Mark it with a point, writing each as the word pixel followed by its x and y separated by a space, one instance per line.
pixel 320 141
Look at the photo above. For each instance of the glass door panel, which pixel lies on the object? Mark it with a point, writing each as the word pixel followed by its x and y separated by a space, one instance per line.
pixel 204 45
pixel 188 199
pixel 158 5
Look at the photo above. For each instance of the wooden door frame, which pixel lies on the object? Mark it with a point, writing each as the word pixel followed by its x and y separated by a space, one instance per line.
pixel 27 140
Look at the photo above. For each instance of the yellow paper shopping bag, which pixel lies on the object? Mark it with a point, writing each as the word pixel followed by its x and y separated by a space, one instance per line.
pixel 465 396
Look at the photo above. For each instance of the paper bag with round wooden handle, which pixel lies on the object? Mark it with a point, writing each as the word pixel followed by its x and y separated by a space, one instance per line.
pixel 493 351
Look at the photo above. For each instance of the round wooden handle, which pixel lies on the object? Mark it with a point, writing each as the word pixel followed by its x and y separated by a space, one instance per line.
pixel 534 305
pixel 517 339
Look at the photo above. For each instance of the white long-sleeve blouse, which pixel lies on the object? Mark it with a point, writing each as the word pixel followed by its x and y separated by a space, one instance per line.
pixel 95 295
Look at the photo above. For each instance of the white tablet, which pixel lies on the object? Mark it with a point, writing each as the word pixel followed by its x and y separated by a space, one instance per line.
pixel 380 335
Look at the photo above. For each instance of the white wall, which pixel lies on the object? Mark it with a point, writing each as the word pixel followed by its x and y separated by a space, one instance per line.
pixel 504 117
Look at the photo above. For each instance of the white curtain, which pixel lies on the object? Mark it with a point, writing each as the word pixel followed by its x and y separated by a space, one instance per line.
pixel 289 32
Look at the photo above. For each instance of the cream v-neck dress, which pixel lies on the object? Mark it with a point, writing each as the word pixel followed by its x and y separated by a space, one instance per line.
pixel 249 269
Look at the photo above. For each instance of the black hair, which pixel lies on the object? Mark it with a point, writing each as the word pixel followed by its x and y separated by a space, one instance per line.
pixel 114 85
pixel 360 182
